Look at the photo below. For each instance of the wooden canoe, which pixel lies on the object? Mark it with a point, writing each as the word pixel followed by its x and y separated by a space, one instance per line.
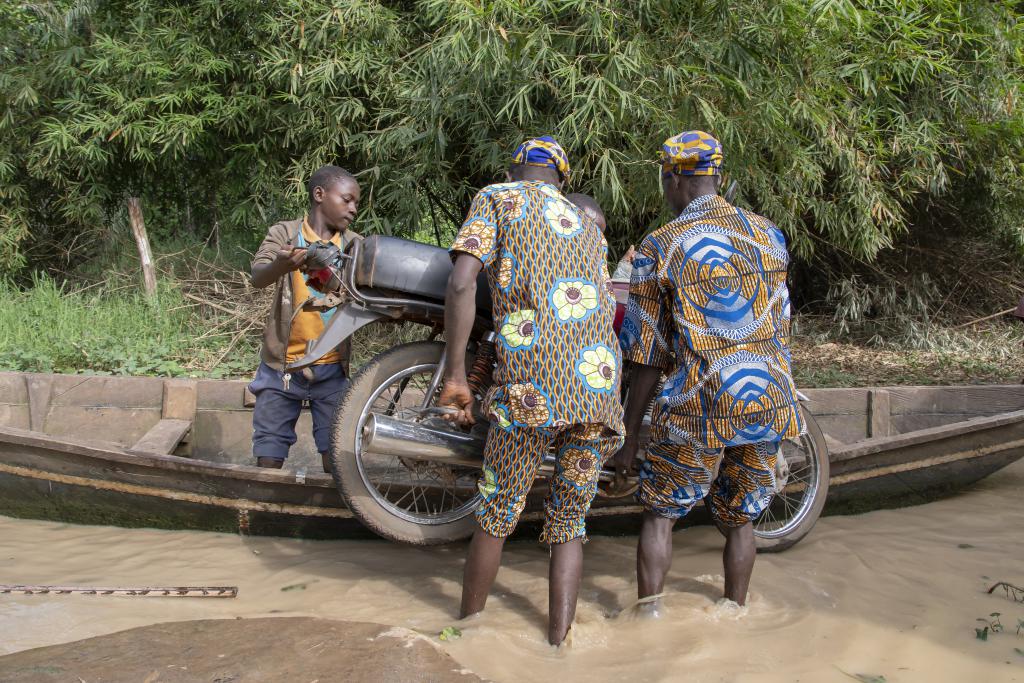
pixel 87 450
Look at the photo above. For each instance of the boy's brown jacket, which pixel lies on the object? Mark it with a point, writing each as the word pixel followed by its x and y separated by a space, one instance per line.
pixel 275 334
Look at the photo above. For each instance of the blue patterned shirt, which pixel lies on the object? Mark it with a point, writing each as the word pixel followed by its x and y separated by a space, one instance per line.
pixel 709 305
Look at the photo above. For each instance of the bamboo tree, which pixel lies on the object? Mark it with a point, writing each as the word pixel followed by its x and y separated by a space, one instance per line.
pixel 848 122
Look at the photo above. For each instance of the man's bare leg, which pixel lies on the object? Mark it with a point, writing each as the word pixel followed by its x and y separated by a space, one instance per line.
pixel 653 554
pixel 564 576
pixel 481 569
pixel 738 558
pixel 326 460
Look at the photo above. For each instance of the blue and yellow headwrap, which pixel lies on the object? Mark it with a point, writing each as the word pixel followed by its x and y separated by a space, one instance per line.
pixel 545 152
pixel 691 153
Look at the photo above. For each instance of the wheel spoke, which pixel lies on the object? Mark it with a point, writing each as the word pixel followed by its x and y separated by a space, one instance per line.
pixel 397 502
pixel 440 505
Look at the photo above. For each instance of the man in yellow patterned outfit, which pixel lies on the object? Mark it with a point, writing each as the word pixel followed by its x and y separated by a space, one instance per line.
pixel 556 380
pixel 709 307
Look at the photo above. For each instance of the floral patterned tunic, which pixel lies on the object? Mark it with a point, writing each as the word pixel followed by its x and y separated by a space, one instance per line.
pixel 558 360
pixel 708 304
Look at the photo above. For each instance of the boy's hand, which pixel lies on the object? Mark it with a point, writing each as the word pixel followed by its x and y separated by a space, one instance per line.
pixel 286 260
pixel 289 259
pixel 457 395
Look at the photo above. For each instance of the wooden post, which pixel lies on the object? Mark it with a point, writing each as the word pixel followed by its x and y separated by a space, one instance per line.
pixel 142 240
pixel 879 413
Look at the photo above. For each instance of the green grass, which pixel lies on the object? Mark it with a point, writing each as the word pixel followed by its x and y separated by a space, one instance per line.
pixel 107 326
pixel 111 328
pixel 48 329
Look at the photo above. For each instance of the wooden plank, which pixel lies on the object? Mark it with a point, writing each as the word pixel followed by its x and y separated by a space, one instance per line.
pixel 40 393
pixel 13 390
pixel 837 401
pixel 13 415
pixel 833 443
pixel 900 424
pixel 222 394
pixel 844 428
pixel 170 494
pixel 122 425
pixel 179 402
pixel 971 400
pixel 878 413
pixel 20 446
pixel 979 430
pixel 107 392
pixel 125 591
pixel 164 437
pixel 912 464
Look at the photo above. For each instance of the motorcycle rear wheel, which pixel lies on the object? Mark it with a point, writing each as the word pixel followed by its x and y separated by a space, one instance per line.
pixel 404 500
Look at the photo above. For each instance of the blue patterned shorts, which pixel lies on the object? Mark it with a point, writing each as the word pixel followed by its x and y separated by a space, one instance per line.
pixel 675 477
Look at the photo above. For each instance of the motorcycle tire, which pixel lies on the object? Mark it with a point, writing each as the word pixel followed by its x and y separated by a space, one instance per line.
pixel 357 489
pixel 809 511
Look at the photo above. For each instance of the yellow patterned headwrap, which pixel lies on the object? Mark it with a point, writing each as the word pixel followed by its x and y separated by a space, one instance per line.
pixel 691 153
pixel 543 151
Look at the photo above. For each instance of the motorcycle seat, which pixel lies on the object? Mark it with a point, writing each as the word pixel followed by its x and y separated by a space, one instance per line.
pixel 410 268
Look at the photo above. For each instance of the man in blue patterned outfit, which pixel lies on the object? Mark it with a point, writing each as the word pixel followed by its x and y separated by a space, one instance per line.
pixel 709 308
pixel 556 377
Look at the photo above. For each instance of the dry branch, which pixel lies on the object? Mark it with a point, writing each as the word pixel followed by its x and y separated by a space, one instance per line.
pixel 987 317
pixel 1015 593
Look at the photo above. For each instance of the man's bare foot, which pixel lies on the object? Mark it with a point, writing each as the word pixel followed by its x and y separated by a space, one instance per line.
pixel 651 607
pixel 566 643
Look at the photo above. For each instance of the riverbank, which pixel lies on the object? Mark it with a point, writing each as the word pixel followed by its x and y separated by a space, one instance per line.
pixel 894 593
pixel 210 328
pixel 269 650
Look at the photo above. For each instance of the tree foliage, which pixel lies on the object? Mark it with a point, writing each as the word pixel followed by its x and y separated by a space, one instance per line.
pixel 847 122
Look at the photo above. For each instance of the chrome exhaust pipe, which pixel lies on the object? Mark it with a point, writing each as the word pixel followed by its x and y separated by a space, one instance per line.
pixel 403 439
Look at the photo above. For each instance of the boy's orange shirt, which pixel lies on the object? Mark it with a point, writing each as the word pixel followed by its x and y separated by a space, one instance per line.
pixel 307 325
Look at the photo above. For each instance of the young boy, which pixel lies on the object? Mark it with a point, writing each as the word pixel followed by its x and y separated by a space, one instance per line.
pixel 590 207
pixel 333 203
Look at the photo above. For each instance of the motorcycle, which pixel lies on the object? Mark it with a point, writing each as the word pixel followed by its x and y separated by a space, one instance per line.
pixel 411 476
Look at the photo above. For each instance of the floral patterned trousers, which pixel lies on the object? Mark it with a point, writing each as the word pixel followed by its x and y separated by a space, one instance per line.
pixel 511 459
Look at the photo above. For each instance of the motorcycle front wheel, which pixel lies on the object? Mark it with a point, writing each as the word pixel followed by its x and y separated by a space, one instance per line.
pixel 401 499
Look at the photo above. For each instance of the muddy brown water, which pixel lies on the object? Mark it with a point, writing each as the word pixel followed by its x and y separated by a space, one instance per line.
pixel 894 593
